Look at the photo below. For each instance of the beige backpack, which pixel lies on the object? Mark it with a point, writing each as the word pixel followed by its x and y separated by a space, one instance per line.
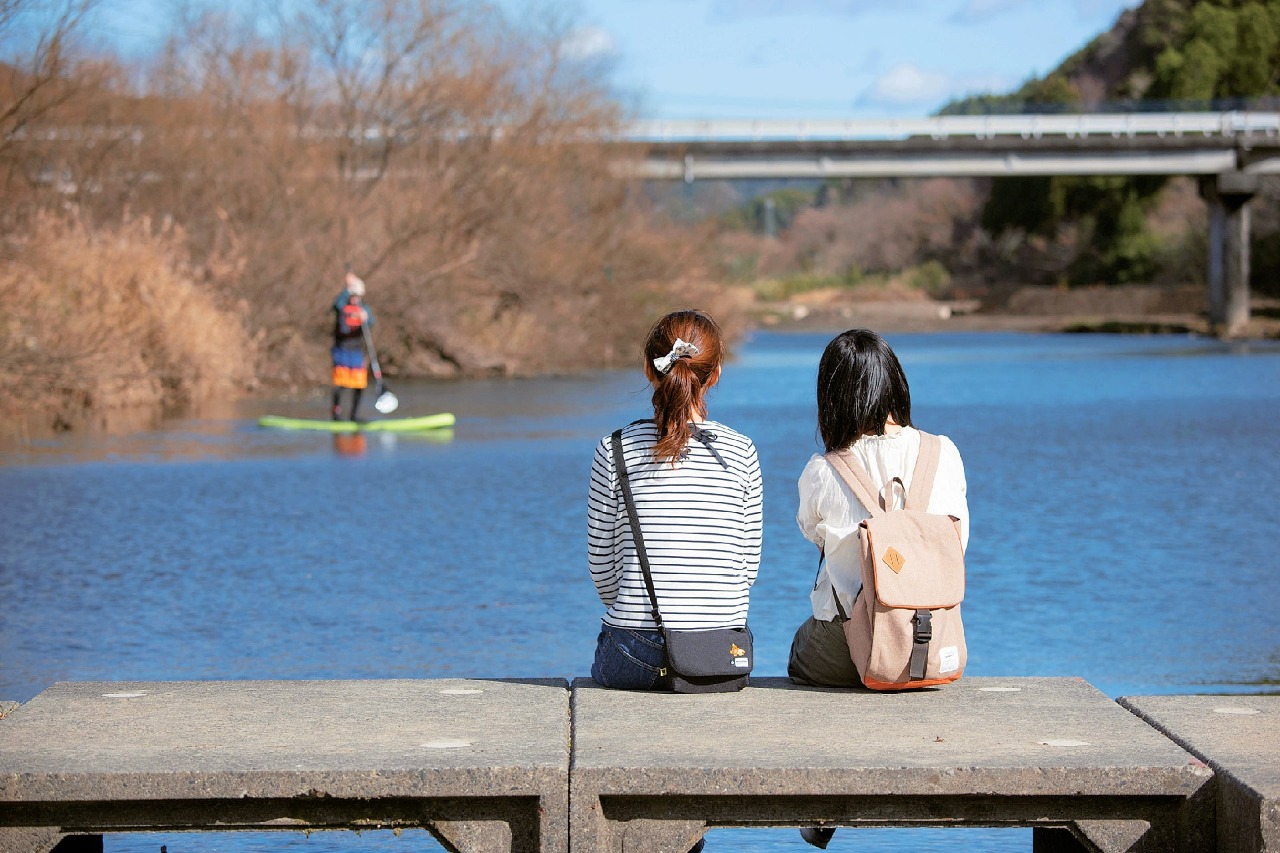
pixel 905 630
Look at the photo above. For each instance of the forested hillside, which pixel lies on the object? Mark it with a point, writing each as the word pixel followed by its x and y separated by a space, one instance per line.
pixel 1162 55
pixel 990 235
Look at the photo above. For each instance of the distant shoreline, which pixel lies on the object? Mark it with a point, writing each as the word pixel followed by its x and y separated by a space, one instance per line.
pixel 1039 310
pixel 1135 309
pixel 893 321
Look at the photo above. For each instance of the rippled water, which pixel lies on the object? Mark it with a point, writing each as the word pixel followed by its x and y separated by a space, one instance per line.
pixel 1123 493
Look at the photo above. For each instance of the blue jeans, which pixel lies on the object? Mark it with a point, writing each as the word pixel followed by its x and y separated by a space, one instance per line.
pixel 630 660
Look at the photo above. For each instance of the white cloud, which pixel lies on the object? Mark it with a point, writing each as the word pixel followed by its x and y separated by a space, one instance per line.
pixel 980 11
pixel 588 43
pixel 907 84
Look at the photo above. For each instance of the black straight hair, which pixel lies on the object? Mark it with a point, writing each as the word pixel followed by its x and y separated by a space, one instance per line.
pixel 860 384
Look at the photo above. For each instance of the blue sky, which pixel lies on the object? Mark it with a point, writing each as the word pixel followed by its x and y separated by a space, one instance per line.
pixel 831 58
pixel 795 59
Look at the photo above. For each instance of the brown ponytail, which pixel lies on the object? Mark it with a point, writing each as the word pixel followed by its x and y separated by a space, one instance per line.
pixel 681 392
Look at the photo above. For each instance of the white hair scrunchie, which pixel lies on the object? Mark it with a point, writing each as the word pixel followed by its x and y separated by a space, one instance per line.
pixel 680 349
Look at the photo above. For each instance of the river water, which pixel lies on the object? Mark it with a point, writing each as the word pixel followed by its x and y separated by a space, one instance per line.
pixel 1123 493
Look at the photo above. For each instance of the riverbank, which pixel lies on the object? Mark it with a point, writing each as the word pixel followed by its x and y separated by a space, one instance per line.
pixel 1121 309
pixel 1131 309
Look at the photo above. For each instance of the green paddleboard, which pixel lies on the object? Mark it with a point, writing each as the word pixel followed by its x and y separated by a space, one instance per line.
pixel 444 419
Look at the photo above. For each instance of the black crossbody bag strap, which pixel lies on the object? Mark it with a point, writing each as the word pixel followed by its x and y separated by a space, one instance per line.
pixel 624 480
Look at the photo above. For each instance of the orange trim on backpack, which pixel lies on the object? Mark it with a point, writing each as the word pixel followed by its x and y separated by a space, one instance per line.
pixel 908 685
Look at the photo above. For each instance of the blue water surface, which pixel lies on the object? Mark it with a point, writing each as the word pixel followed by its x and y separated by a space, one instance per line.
pixel 1123 493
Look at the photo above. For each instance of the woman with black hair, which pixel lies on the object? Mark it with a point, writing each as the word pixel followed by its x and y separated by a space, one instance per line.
pixel 864 406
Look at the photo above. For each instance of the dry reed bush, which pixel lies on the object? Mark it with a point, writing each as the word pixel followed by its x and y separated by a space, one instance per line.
pixel 108 319
pixel 893 242
pixel 448 154
pixel 451 156
pixel 884 233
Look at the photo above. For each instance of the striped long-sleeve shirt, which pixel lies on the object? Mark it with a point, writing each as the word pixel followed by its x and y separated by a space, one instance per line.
pixel 701 523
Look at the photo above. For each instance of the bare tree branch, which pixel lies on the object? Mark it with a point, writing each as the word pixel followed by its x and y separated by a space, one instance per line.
pixel 40 80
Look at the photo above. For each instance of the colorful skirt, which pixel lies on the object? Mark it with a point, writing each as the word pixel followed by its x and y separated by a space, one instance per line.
pixel 349 368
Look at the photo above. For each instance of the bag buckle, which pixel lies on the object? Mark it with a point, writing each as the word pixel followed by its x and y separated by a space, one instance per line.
pixel 923 626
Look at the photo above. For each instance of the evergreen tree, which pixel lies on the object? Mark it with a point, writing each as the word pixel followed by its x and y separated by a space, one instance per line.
pixel 1198 54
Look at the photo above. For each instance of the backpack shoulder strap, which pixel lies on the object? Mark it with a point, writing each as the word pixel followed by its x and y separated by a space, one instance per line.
pixel 857 478
pixel 925 471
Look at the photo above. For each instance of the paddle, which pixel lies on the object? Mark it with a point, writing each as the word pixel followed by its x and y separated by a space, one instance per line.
pixel 386 402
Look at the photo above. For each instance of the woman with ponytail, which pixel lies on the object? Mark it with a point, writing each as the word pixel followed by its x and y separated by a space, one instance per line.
pixel 697 492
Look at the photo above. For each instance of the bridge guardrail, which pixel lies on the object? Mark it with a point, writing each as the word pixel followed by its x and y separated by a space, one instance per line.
pixel 1208 124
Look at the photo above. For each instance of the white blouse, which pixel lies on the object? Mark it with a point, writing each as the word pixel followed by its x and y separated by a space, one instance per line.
pixel 830 514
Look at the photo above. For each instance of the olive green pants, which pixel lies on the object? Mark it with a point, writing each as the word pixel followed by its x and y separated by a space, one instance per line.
pixel 820 656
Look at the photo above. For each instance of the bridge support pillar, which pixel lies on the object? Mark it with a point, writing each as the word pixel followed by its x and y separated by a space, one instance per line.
pixel 1228 196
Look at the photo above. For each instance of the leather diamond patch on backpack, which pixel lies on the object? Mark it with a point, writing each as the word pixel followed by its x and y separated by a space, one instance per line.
pixel 893 559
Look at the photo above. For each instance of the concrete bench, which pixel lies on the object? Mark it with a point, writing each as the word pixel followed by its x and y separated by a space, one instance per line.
pixel 652 771
pixel 486 765
pixel 1239 737
pixel 483 765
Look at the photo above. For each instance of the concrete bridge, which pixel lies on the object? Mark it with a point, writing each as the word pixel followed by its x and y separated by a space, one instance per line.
pixel 1228 151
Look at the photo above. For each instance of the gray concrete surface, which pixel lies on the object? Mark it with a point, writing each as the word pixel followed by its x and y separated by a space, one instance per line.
pixel 482 764
pixel 652 770
pixel 1239 737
